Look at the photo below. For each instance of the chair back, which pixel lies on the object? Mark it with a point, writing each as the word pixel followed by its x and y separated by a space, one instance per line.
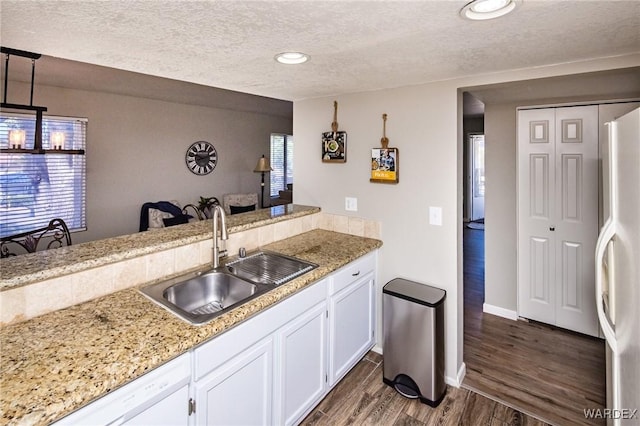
pixel 191 208
pixel 56 233
pixel 239 200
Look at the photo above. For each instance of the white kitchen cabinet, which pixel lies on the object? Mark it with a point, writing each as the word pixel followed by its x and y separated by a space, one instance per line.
pixel 241 382
pixel 240 391
pixel 351 316
pixel 301 365
pixel 157 398
pixel 169 411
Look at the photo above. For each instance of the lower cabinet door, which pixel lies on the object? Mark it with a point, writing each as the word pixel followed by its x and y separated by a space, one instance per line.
pixel 240 391
pixel 301 365
pixel 351 326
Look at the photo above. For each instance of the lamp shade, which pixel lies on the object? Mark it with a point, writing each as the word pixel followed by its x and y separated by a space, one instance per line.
pixel 263 165
pixel 17 137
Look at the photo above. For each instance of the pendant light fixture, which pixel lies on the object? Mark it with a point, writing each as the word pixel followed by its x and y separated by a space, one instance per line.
pixel 37 143
pixel 16 137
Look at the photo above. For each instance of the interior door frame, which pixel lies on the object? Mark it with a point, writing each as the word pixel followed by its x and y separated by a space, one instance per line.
pixel 470 173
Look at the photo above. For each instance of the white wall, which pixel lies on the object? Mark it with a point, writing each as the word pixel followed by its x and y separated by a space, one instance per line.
pixel 425 123
pixel 136 152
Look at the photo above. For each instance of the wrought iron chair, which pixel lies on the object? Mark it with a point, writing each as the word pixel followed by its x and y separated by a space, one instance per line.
pixel 196 210
pixel 28 241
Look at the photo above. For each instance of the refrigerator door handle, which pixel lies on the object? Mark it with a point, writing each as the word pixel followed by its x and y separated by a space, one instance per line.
pixel 607 234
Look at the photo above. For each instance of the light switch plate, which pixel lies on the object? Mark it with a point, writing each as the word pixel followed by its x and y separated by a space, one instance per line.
pixel 435 216
pixel 351 204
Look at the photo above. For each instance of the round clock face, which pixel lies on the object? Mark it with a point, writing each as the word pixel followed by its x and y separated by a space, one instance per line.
pixel 201 158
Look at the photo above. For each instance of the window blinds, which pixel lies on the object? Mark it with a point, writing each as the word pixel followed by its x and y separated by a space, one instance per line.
pixel 281 162
pixel 35 188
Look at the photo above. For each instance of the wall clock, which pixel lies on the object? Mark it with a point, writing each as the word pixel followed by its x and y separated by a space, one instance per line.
pixel 201 158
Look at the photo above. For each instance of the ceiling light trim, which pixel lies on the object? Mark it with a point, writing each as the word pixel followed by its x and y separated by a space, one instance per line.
pixel 481 10
pixel 292 58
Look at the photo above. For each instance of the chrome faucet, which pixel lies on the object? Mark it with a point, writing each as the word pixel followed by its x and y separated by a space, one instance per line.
pixel 218 213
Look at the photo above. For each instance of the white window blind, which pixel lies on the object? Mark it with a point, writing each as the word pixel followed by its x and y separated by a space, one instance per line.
pixel 35 188
pixel 281 162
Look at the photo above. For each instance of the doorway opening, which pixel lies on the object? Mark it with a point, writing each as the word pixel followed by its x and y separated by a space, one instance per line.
pixel 537 369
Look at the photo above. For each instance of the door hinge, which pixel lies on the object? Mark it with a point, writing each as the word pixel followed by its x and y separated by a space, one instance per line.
pixel 327 312
pixel 326 378
pixel 192 406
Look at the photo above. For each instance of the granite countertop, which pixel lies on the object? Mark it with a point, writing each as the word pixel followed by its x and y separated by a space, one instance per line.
pixel 54 364
pixel 33 267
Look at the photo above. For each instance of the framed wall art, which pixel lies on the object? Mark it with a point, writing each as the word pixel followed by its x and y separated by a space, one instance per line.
pixel 334 147
pixel 384 160
pixel 384 165
pixel 334 143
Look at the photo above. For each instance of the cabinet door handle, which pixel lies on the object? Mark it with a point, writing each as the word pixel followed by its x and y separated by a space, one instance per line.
pixel 552 228
pixel 356 274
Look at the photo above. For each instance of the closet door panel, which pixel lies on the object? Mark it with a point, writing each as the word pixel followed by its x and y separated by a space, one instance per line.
pixel 576 224
pixel 536 248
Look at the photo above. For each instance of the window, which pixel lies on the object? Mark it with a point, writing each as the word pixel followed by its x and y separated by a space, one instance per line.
pixel 281 162
pixel 35 188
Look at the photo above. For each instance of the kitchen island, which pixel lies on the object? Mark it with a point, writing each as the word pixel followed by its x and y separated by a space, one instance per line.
pixel 56 363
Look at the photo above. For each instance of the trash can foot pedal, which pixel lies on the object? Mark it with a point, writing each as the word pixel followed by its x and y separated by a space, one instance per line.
pixel 405 386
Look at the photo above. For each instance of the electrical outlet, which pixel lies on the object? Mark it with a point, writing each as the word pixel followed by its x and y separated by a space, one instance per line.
pixel 351 204
pixel 435 216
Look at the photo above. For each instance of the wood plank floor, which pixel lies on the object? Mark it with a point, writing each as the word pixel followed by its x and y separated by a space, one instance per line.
pixel 361 398
pixel 541 370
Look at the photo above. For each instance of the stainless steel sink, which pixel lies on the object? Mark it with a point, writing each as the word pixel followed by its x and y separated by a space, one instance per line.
pixel 198 298
pixel 269 268
pixel 201 296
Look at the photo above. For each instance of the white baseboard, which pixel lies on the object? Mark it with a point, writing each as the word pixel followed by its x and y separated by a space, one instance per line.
pixel 377 349
pixel 501 312
pixel 456 382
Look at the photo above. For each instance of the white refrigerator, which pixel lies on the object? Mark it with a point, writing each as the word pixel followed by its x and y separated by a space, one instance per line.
pixel 618 269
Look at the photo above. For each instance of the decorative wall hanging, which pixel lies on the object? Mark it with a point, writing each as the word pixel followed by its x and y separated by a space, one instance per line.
pixel 384 160
pixel 201 158
pixel 334 143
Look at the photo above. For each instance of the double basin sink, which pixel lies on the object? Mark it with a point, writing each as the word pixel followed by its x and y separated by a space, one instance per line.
pixel 201 296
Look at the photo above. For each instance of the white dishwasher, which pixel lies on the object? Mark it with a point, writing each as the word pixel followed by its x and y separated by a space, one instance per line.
pixel 160 397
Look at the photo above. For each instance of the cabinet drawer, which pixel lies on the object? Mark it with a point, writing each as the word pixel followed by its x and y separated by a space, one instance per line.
pixel 221 348
pixel 352 272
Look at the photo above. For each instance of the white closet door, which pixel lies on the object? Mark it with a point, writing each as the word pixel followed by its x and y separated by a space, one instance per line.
pixel 536 205
pixel 558 216
pixel 576 192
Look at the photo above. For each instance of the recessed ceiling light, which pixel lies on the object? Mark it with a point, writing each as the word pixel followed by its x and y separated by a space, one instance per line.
pixel 479 10
pixel 292 58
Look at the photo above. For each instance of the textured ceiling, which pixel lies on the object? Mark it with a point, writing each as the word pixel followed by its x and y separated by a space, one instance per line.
pixel 354 45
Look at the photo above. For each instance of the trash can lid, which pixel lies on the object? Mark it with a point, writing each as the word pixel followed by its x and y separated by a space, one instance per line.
pixel 415 292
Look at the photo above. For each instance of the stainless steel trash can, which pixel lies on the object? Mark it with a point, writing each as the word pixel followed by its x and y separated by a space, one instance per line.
pixel 413 351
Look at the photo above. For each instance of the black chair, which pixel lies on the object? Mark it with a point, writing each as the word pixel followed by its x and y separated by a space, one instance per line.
pixel 28 242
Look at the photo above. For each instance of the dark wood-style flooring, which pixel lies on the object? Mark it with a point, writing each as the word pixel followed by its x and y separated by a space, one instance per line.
pixel 361 398
pixel 541 370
